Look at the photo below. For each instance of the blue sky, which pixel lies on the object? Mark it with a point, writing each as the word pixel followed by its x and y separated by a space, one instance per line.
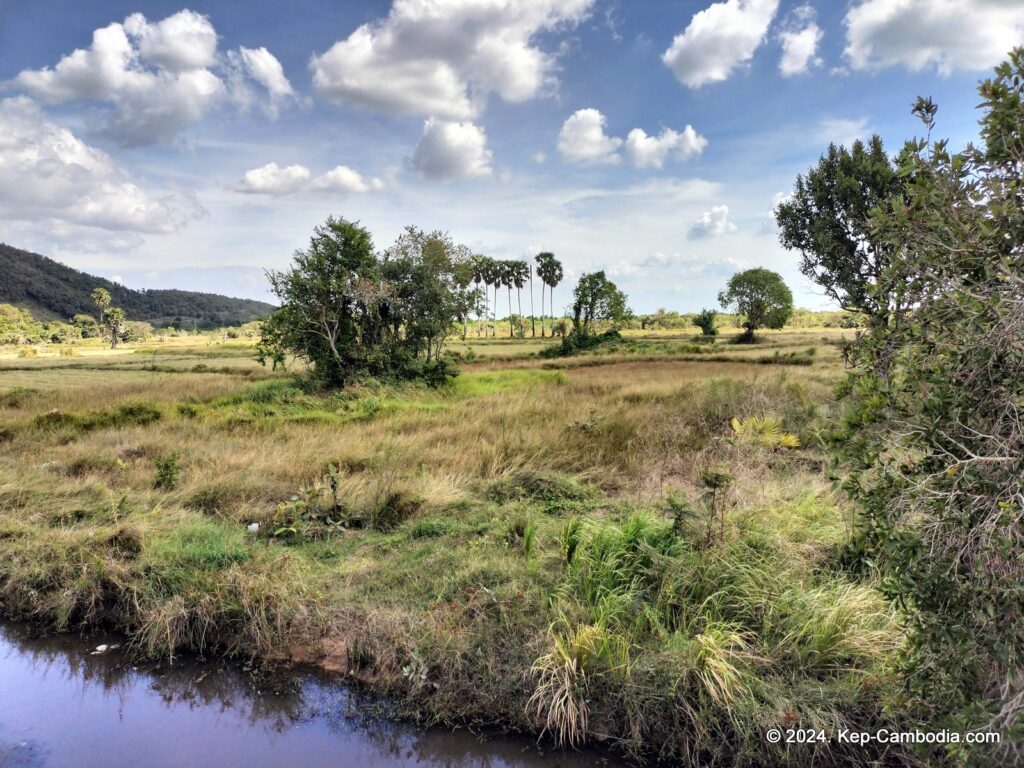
pixel 192 145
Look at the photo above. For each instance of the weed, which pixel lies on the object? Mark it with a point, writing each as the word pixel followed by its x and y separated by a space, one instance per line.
pixel 168 472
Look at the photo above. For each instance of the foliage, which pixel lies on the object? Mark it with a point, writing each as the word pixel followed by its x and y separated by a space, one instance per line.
pixel 349 311
pixel 761 297
pixel 826 220
pixel 597 299
pixel 168 471
pixel 933 438
pixel 765 431
pixel 705 320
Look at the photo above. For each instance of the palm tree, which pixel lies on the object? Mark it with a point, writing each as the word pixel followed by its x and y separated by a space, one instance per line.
pixel 492 276
pixel 478 277
pixel 520 274
pixel 555 275
pixel 101 298
pixel 533 314
pixel 543 260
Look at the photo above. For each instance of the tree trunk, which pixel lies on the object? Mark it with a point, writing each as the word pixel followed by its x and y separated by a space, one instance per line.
pixel 519 301
pixel 551 296
pixel 494 333
pixel 542 284
pixel 510 326
pixel 533 315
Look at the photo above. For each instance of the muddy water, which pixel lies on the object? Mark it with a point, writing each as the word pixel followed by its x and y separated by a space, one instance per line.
pixel 61 704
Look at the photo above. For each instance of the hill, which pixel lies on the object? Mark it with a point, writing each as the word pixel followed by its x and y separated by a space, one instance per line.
pixel 53 291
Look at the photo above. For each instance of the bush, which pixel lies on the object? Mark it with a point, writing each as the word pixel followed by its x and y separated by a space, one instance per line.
pixel 168 470
pixel 575 343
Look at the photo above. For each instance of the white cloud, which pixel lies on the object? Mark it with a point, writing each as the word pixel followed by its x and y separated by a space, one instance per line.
pixel 47 173
pixel 539 158
pixel 713 223
pixel 949 35
pixel 800 41
pixel 451 150
pixel 583 140
pixel 842 130
pixel 179 43
pixel 341 178
pixel 444 58
pixel 272 179
pixel 155 77
pixel 719 39
pixel 263 68
pixel 645 151
pixel 117 279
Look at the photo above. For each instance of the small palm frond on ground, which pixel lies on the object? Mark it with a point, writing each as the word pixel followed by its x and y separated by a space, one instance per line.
pixel 765 431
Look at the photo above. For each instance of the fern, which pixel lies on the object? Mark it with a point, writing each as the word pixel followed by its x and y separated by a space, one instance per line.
pixel 765 431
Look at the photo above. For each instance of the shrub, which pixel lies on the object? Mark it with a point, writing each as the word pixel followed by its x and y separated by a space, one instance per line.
pixel 168 470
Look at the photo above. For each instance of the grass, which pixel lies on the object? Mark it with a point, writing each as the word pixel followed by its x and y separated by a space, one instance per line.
pixel 529 546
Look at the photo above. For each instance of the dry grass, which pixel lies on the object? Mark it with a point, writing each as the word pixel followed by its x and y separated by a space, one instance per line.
pixel 422 535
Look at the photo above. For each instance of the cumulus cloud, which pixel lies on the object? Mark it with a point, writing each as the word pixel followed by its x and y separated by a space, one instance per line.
pixel 261 67
pixel 645 151
pixel 155 78
pixel 451 150
pixel 799 40
pixel 273 179
pixel 949 35
pixel 718 40
pixel 443 59
pixel 47 173
pixel 713 223
pixel 583 139
pixel 341 178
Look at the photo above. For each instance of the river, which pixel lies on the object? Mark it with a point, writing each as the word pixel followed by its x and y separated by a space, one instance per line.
pixel 64 704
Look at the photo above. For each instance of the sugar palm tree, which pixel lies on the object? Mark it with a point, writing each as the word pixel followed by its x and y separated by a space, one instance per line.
pixel 553 277
pixel 520 274
pixel 544 260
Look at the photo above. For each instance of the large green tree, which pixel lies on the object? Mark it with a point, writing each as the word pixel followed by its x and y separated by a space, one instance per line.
pixel 935 449
pixel 350 311
pixel 761 297
pixel 597 299
pixel 827 217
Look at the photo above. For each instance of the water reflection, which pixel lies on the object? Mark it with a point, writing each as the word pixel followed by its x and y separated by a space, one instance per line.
pixel 60 705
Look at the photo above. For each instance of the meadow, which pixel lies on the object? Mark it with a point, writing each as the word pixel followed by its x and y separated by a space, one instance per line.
pixel 588 547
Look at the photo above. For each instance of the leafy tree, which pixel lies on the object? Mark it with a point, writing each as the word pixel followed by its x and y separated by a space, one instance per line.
pixel 87 326
pixel 101 298
pixel 935 448
pixel 116 323
pixel 596 298
pixel 761 297
pixel 705 320
pixel 349 311
pixel 827 221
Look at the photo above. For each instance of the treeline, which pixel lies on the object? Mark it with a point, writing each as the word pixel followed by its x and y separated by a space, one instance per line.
pixel 53 291
pixel 18 326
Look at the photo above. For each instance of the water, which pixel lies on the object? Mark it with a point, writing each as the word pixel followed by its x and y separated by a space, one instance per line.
pixel 62 705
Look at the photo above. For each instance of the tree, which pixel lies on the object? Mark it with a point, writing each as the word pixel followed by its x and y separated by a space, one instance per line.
pixel 552 277
pixel 101 298
pixel 827 221
pixel 596 298
pixel 761 297
pixel 935 448
pixel 545 265
pixel 116 324
pixel 705 320
pixel 349 311
pixel 520 272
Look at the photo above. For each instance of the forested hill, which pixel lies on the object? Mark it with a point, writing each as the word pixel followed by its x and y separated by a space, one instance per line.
pixel 53 291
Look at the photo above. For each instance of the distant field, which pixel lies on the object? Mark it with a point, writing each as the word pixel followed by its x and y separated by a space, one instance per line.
pixel 539 528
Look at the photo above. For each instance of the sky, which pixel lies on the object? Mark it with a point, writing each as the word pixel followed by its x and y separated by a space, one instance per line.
pixel 194 145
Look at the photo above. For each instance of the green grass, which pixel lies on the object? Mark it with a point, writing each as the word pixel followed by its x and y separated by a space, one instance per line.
pixel 524 547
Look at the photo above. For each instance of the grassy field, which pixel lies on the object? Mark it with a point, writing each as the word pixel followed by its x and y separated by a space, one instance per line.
pixel 583 546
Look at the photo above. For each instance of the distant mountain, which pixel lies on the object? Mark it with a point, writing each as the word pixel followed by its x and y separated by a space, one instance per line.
pixel 52 291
